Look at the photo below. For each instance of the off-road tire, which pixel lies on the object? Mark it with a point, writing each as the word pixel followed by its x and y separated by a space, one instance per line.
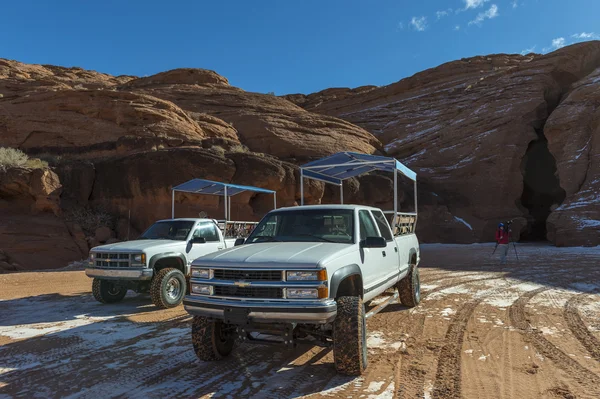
pixel 350 336
pixel 208 341
pixel 106 291
pixel 159 288
pixel 409 288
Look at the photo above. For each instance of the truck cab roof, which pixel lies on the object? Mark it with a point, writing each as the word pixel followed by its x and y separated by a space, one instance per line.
pixel 326 207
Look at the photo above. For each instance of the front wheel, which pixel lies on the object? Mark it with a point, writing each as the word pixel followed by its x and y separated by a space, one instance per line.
pixel 167 288
pixel 212 339
pixel 350 336
pixel 409 288
pixel 106 291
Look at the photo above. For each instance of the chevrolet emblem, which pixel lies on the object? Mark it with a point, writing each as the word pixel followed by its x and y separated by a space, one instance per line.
pixel 241 284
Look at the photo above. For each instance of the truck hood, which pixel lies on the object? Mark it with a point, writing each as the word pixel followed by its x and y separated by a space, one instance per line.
pixel 138 245
pixel 301 254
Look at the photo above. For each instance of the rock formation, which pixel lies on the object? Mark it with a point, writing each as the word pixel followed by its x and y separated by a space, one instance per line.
pixel 475 131
pixel 492 138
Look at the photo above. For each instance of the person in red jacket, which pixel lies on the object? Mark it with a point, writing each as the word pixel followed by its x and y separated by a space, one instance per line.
pixel 503 240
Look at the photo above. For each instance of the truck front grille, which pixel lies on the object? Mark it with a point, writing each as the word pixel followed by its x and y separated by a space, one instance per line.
pixel 104 259
pixel 248 275
pixel 249 292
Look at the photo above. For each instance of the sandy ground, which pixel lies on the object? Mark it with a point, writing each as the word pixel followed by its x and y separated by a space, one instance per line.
pixel 527 330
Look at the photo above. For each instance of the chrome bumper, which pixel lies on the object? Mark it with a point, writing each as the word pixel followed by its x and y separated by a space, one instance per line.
pixel 119 273
pixel 314 312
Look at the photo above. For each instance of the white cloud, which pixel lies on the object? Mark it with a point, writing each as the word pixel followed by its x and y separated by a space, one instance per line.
pixel 586 36
pixel 528 50
pixel 559 43
pixel 457 27
pixel 482 16
pixel 401 25
pixel 474 3
pixel 419 24
pixel 443 13
pixel 515 4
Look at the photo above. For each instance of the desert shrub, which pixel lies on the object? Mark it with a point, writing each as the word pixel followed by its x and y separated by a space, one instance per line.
pixel 218 150
pixel 89 218
pixel 12 157
pixel 239 148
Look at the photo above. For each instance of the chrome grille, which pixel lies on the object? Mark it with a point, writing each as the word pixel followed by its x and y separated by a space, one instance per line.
pixel 105 259
pixel 248 275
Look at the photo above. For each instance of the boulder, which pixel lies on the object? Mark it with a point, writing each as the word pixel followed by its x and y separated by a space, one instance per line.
pixel 31 190
pixel 573 133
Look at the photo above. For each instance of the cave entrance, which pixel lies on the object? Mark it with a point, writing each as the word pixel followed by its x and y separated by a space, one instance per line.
pixel 542 192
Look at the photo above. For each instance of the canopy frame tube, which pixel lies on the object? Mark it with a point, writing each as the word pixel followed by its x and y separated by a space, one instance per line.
pixel 225 190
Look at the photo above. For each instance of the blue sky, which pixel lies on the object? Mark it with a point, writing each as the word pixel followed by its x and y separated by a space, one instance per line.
pixel 287 46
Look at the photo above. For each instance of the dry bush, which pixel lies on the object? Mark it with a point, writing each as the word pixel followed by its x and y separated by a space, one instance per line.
pixel 90 218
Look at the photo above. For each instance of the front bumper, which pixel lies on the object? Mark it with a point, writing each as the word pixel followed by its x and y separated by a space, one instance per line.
pixel 305 312
pixel 119 273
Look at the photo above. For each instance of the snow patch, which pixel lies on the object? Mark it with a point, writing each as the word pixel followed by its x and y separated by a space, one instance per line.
pixel 387 394
pixel 448 312
pixel 375 386
pixel 463 222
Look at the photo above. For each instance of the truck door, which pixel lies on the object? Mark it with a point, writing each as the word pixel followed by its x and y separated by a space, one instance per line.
pixel 213 242
pixel 373 259
pixel 391 260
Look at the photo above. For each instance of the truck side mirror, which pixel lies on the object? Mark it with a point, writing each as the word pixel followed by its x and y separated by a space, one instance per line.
pixel 239 241
pixel 198 240
pixel 373 242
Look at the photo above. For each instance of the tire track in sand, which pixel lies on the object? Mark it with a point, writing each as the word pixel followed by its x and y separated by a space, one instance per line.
pixel 448 376
pixel 583 376
pixel 578 327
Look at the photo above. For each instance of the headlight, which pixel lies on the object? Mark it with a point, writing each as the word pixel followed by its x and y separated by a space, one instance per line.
pixel 202 273
pixel 202 289
pixel 91 258
pixel 302 293
pixel 317 275
pixel 140 258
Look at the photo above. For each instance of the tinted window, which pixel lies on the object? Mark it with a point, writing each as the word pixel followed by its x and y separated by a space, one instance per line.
pixel 171 230
pixel 367 227
pixel 383 225
pixel 318 225
pixel 208 231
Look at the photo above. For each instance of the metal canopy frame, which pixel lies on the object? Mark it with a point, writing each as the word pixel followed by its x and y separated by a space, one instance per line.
pixel 336 168
pixel 226 190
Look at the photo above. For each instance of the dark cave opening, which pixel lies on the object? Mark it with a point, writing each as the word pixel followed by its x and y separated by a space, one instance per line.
pixel 542 192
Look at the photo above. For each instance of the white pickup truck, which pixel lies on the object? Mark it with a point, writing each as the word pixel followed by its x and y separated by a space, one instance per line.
pixel 304 275
pixel 157 262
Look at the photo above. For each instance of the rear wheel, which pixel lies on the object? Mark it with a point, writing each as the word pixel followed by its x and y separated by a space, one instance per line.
pixel 212 339
pixel 350 336
pixel 106 291
pixel 167 288
pixel 409 288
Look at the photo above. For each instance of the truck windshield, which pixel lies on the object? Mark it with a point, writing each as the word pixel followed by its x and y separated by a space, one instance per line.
pixel 318 225
pixel 168 230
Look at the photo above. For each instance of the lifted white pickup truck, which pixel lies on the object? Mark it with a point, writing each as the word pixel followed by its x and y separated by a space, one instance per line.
pixel 304 275
pixel 159 260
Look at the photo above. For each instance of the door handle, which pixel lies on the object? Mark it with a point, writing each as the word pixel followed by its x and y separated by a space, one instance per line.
pixel 396 249
pixel 219 247
pixel 383 253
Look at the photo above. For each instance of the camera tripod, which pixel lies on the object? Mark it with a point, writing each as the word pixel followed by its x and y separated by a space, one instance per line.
pixel 510 242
